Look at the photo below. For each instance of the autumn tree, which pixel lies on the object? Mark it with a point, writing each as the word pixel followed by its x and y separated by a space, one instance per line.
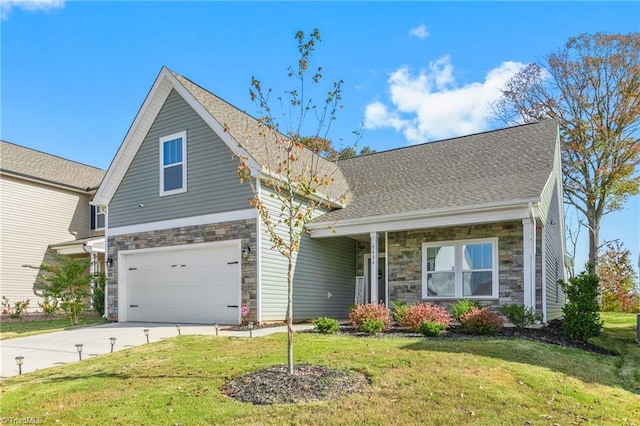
pixel 591 87
pixel 618 279
pixel 325 148
pixel 300 182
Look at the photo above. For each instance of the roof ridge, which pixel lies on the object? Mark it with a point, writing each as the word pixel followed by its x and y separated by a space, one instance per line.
pixel 499 129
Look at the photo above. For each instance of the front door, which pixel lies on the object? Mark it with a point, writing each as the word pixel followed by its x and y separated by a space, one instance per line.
pixel 381 276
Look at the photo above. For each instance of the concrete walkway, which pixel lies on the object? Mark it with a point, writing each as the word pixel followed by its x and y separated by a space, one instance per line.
pixel 52 349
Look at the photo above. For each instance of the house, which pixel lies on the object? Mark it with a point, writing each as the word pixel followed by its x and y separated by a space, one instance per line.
pixel 476 217
pixel 44 209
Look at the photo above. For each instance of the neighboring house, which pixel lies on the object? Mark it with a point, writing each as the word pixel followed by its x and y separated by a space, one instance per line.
pixel 475 217
pixel 44 208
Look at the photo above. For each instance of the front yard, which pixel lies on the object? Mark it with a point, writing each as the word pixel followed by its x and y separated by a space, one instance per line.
pixel 413 381
pixel 32 324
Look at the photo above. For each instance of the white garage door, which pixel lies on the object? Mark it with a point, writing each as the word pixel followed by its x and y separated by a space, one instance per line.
pixel 199 283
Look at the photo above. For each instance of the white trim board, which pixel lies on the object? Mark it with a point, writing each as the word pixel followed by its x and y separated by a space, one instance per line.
pixel 186 221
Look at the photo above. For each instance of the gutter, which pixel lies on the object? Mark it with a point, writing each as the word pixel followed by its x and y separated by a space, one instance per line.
pixel 420 214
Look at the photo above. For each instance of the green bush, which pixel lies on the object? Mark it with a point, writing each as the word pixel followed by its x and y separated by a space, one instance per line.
pixel 372 326
pixel 326 325
pixel 97 298
pixel 481 321
pixel 431 329
pixel 520 316
pixel 581 319
pixel 463 306
pixel 399 311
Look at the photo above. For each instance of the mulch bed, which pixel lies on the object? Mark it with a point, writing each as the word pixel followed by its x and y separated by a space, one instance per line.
pixel 550 333
pixel 274 385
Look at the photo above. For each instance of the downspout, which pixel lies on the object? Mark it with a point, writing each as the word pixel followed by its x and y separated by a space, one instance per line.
pixel 106 269
pixel 92 270
pixel 544 275
pixel 532 255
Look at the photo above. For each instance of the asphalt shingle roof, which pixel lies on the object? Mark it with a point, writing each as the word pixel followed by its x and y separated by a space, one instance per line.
pixel 249 134
pixel 491 167
pixel 29 163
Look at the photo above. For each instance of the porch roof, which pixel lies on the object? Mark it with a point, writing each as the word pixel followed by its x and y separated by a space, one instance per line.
pixel 494 168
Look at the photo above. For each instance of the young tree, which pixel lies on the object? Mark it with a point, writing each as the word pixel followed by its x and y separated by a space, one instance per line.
pixel 67 280
pixel 591 86
pixel 299 180
pixel 618 279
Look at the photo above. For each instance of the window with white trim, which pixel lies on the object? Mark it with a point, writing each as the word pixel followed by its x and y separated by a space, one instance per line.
pixel 173 164
pixel 100 216
pixel 460 269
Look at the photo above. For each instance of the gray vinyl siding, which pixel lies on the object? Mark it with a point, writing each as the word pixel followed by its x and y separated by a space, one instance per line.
pixel 321 266
pixel 552 216
pixel 212 180
pixel 554 256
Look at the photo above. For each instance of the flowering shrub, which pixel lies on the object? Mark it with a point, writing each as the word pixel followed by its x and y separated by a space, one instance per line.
pixel 431 329
pixel 368 311
pixel 417 314
pixel 463 306
pixel 481 321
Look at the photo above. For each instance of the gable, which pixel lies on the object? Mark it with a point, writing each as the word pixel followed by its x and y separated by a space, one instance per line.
pixel 212 181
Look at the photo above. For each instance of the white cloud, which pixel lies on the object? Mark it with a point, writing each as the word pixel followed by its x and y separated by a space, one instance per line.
pixel 419 32
pixel 430 106
pixel 6 6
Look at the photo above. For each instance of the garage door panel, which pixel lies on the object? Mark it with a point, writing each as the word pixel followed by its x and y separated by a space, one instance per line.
pixel 199 285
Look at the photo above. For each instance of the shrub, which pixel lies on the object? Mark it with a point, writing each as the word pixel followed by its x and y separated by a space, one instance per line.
pixel 581 319
pixel 17 309
pixel 399 311
pixel 372 326
pixel 417 314
pixel 432 329
pixel 520 315
pixel 49 305
pixel 97 298
pixel 463 306
pixel 364 312
pixel 481 321
pixel 326 325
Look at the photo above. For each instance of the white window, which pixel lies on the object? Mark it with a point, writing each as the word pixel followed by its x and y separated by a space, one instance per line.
pixel 100 216
pixel 460 269
pixel 173 164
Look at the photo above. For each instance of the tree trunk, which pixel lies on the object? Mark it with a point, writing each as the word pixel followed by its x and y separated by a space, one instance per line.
pixel 594 241
pixel 290 315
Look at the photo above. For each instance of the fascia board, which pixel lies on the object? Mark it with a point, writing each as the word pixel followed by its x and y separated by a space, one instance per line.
pixel 417 221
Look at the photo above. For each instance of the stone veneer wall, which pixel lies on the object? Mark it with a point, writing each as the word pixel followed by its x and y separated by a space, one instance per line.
pixel 244 230
pixel 405 260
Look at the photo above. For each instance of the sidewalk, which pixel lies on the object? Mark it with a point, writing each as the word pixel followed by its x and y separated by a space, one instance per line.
pixel 59 348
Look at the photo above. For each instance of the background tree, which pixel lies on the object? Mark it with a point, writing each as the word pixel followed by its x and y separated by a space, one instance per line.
pixel 618 289
pixel 325 148
pixel 300 182
pixel 591 86
pixel 67 280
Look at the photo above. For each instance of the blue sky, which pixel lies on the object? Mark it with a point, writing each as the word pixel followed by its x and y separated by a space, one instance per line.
pixel 74 74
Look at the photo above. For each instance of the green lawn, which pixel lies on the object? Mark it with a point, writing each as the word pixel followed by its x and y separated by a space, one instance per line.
pixel 413 381
pixel 10 330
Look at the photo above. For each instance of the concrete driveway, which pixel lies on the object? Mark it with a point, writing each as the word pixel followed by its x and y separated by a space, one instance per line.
pixel 53 349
